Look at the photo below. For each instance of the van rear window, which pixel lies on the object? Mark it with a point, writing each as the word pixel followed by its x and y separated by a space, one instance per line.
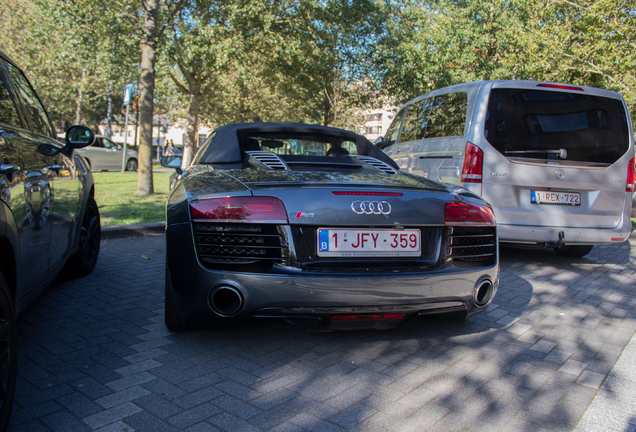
pixel 541 125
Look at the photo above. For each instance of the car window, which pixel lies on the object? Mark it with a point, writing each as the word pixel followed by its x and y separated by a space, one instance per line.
pixel 415 121
pixel 197 157
pixel 436 117
pixel 545 125
pixel 98 142
pixel 36 115
pixel 392 133
pixel 447 115
pixel 8 111
pixel 109 144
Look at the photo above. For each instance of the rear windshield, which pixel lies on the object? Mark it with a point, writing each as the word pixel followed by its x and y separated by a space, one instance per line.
pixel 301 147
pixel 556 127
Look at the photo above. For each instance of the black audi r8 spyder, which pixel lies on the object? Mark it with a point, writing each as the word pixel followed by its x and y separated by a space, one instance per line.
pixel 317 226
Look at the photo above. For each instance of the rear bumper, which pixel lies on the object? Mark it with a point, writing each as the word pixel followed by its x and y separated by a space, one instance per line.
pixel 309 294
pixel 509 233
pixel 572 236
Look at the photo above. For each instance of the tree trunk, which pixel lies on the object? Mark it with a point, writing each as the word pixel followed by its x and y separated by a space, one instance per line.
pixel 147 93
pixel 327 110
pixel 80 99
pixel 192 123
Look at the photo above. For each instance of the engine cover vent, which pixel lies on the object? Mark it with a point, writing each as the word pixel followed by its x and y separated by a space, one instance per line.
pixel 382 166
pixel 269 159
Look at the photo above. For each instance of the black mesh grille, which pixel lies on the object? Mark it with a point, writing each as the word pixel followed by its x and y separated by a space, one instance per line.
pixel 219 245
pixel 472 244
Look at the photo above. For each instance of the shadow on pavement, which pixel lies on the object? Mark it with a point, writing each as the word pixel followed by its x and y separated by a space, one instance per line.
pixel 535 359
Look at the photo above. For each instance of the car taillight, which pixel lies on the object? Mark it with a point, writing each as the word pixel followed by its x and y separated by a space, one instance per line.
pixel 631 175
pixel 473 164
pixel 462 213
pixel 240 209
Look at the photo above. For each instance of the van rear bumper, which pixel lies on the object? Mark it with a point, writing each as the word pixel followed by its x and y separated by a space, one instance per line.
pixel 572 236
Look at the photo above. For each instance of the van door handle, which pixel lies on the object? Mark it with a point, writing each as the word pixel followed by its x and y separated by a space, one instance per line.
pixel 8 169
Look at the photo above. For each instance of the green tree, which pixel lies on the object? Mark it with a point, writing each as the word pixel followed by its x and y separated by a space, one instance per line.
pixel 429 45
pixel 199 45
pixel 73 54
pixel 584 42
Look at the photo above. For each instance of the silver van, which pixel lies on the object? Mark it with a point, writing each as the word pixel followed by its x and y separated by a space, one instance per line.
pixel 555 161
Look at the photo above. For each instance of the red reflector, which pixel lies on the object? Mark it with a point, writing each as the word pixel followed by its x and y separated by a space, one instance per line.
pixel 631 175
pixel 559 86
pixel 473 164
pixel 240 209
pixel 396 194
pixel 462 213
pixel 618 239
pixel 368 317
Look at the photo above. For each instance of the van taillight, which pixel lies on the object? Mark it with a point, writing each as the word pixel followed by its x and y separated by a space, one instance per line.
pixel 560 86
pixel 631 175
pixel 473 164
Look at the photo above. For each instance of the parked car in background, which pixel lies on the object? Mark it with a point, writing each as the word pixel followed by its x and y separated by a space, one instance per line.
pixel 556 161
pixel 48 217
pixel 105 155
pixel 317 226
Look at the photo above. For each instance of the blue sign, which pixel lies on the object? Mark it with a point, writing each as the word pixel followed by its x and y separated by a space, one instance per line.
pixel 127 94
pixel 323 241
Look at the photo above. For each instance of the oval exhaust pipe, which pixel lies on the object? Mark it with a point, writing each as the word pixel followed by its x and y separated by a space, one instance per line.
pixel 483 292
pixel 226 300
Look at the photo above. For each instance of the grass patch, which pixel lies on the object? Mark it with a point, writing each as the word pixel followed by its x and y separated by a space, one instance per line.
pixel 115 194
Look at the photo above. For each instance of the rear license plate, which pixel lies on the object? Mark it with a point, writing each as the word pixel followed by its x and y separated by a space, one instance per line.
pixel 368 243
pixel 562 198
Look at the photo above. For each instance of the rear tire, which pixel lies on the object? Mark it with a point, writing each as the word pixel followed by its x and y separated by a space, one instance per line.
pixel 85 259
pixel 574 251
pixel 8 354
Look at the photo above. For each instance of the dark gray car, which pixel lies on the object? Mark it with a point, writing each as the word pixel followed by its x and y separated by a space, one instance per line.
pixel 317 226
pixel 48 217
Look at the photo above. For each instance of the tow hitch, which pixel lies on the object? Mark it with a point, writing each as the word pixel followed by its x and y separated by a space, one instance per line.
pixel 557 244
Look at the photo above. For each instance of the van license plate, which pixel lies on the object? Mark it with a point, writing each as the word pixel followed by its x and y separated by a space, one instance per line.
pixel 368 243
pixel 561 198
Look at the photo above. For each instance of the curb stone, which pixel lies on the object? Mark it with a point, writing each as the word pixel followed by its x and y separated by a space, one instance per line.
pixel 133 230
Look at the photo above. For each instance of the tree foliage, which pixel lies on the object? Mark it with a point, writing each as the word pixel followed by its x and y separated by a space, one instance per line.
pixel 74 55
pixel 432 44
pixel 315 61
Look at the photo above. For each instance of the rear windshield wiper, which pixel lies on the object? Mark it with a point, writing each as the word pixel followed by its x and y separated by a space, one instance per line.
pixel 561 153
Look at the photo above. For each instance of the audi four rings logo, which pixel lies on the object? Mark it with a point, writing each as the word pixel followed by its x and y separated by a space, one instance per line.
pixel 371 207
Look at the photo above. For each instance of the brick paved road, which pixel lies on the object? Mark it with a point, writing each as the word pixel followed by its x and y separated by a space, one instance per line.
pixel 95 355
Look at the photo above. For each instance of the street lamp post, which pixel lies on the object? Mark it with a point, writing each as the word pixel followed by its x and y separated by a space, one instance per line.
pixel 127 95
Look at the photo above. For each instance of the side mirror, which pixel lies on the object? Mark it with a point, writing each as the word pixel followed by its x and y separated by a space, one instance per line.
pixel 378 142
pixel 78 136
pixel 171 162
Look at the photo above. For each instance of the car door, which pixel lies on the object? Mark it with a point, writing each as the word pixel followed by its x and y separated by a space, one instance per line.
pixel 51 188
pixel 112 154
pixel 26 192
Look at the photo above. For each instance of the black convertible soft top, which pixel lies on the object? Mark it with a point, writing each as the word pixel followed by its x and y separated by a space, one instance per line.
pixel 225 147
